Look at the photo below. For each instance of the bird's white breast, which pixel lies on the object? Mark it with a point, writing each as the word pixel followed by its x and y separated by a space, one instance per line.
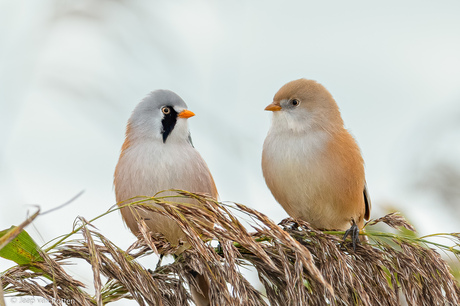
pixel 150 167
pixel 293 169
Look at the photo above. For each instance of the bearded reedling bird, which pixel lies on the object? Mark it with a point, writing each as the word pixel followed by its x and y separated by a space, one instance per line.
pixel 158 155
pixel 311 163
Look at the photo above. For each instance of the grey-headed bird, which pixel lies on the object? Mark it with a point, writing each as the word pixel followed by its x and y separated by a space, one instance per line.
pixel 158 155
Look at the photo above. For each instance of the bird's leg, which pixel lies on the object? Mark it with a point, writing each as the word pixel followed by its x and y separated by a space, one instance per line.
pixel 219 249
pixel 353 231
pixel 159 262
pixel 157 266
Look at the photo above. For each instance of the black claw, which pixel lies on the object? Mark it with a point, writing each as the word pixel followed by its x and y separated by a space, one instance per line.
pixel 292 225
pixel 353 231
pixel 159 262
pixel 219 249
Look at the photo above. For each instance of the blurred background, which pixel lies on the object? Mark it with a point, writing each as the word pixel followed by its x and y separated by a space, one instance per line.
pixel 71 72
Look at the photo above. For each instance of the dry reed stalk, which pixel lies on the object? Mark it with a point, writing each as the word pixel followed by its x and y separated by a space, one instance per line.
pixel 296 264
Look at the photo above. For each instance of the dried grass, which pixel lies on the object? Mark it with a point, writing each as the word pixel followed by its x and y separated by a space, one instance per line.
pixel 296 264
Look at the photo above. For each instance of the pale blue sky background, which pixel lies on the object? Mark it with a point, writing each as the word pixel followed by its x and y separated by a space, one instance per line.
pixel 72 71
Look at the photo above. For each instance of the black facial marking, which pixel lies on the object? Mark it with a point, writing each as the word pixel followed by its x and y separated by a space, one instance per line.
pixel 169 121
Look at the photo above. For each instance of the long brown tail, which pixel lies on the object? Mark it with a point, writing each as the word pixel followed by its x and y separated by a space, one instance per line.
pixel 200 298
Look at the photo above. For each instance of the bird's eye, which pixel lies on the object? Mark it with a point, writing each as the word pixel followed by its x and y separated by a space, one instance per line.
pixel 295 102
pixel 166 110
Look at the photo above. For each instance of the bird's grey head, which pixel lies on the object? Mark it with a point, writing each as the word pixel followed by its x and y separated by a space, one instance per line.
pixel 160 115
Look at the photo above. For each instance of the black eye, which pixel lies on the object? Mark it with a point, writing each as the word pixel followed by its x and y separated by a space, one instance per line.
pixel 295 102
pixel 166 110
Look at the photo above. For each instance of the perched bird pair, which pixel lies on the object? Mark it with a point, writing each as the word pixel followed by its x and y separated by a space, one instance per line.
pixel 310 162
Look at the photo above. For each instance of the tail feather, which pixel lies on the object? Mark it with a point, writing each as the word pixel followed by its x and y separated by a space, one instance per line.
pixel 201 294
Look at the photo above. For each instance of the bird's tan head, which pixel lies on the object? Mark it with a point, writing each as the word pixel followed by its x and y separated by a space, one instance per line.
pixel 305 104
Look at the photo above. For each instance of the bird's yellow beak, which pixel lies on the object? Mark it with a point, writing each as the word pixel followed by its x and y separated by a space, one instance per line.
pixel 274 107
pixel 186 114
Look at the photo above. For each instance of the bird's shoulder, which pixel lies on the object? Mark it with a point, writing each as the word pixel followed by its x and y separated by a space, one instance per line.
pixel 344 149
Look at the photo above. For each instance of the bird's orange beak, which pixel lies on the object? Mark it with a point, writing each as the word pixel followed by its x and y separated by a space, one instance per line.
pixel 186 114
pixel 274 107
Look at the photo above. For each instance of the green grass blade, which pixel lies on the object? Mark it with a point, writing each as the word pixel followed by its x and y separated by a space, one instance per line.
pixel 22 249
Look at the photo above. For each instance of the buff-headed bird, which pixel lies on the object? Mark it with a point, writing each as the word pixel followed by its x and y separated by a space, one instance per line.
pixel 311 163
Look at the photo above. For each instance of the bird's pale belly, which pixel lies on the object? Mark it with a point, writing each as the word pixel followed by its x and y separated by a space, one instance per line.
pixel 153 176
pixel 306 191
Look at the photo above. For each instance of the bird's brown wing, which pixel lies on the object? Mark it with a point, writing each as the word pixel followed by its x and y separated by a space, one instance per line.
pixel 367 202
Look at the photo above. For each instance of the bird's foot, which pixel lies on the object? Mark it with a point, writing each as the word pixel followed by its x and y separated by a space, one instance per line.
pixel 219 250
pixel 292 225
pixel 353 231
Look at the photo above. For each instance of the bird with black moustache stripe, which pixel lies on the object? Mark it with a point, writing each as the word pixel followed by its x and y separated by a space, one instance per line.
pixel 158 155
